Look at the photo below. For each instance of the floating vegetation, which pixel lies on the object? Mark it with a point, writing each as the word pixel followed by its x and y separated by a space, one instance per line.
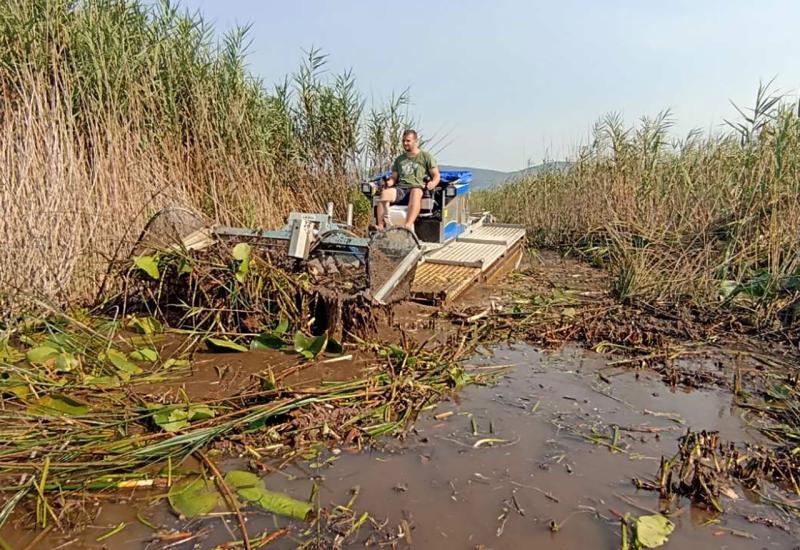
pixel 72 420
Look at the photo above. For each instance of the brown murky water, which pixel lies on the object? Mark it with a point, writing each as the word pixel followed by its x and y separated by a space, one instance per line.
pixel 538 485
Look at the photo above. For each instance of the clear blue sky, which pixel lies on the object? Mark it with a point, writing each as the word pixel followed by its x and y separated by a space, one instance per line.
pixel 508 80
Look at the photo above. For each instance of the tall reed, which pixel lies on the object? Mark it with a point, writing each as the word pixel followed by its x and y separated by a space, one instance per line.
pixel 113 109
pixel 709 221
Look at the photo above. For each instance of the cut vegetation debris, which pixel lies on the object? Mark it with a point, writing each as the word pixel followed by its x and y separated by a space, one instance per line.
pixel 74 425
pixel 206 290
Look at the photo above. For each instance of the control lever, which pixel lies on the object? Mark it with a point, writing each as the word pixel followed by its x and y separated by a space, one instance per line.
pixel 427 199
pixel 426 193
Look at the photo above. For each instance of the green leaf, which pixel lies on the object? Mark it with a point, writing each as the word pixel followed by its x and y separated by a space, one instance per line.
pixel 193 497
pixel 173 362
pixel 149 355
pixel 102 381
pixel 779 392
pixel 15 385
pixel 8 354
pixel 185 267
pixel 301 341
pixel 122 363
pixel 284 505
pixel 251 488
pixel 222 345
pixel 241 252
pixel 267 340
pixel 240 479
pixel 171 419
pixel 57 405
pixel 319 344
pixel 65 362
pixel 309 346
pixel 42 354
pixel 652 531
pixel 200 412
pixel 146 325
pixel 334 346
pixel 283 326
pixel 728 289
pixel 148 264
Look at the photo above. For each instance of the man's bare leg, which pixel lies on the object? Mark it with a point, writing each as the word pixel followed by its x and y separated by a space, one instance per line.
pixel 388 196
pixel 414 205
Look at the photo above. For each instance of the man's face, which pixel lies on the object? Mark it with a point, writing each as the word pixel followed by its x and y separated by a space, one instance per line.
pixel 409 143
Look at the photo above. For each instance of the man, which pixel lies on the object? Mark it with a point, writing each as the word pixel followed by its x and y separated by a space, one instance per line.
pixel 409 171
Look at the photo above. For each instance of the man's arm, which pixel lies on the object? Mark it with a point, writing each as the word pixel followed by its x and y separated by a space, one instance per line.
pixel 436 177
pixel 392 179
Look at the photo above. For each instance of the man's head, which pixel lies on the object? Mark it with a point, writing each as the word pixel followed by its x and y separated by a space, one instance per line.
pixel 410 144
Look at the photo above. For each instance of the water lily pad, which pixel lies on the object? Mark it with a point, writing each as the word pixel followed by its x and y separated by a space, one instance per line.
pixel 251 488
pixel 653 531
pixel 193 497
pixel 223 345
pixel 239 479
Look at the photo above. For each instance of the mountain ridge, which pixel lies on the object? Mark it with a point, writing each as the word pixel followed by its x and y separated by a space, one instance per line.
pixel 485 178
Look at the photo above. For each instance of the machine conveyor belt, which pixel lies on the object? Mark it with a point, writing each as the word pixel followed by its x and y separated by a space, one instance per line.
pixel 450 270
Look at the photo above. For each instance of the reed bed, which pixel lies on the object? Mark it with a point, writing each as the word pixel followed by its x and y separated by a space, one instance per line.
pixel 113 109
pixel 708 222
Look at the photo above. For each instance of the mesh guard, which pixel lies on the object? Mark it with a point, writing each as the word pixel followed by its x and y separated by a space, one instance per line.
pixel 385 264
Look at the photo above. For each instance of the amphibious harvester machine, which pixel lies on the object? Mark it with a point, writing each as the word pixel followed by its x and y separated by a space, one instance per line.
pixel 449 251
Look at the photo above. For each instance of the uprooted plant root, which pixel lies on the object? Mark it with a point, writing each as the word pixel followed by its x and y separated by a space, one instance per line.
pixel 705 468
pixel 243 287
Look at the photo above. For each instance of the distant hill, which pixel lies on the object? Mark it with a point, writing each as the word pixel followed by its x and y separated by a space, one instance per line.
pixel 483 178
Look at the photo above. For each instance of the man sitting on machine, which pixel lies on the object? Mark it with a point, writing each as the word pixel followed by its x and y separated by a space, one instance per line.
pixel 407 181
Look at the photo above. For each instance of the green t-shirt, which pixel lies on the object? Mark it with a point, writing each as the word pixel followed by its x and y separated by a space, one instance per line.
pixel 412 170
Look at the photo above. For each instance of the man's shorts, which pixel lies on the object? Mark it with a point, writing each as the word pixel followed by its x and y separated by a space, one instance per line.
pixel 402 196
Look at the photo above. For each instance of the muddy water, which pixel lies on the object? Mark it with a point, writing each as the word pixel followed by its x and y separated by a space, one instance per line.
pixel 457 496
pixel 540 483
